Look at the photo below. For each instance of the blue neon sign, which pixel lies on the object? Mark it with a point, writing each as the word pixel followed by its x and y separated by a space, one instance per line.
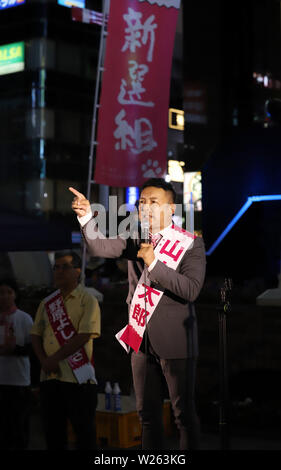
pixel 10 3
pixel 244 208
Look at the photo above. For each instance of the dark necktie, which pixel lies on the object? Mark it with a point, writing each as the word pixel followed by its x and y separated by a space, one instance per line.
pixel 154 239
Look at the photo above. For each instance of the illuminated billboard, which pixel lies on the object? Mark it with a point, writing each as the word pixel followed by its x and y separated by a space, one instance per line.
pixel 192 189
pixel 175 170
pixel 176 119
pixel 132 195
pixel 72 3
pixel 10 3
pixel 11 58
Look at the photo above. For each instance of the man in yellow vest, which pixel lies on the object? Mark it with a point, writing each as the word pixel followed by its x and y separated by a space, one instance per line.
pixel 62 337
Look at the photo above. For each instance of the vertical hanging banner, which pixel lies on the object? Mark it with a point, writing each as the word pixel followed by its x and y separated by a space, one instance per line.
pixel 133 113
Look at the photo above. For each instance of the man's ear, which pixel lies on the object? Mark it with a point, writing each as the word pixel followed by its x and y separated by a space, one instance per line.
pixel 173 208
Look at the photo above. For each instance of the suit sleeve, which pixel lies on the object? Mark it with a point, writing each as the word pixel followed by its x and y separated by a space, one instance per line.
pixel 100 246
pixel 188 282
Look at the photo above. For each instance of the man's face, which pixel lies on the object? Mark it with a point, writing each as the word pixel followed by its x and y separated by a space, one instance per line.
pixel 157 205
pixel 7 297
pixel 65 275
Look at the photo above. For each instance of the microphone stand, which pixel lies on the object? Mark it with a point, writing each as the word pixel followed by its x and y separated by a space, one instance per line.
pixel 224 309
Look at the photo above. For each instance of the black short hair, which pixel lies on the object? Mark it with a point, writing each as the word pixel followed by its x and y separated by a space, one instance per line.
pixel 76 260
pixel 12 283
pixel 160 183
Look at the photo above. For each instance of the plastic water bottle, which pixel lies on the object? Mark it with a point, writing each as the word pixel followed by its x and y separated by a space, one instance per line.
pixel 108 396
pixel 116 397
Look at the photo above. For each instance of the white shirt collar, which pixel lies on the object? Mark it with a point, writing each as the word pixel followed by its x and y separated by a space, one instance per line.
pixel 163 231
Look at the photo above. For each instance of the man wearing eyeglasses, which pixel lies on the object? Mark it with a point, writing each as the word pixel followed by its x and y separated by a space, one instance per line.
pixel 63 330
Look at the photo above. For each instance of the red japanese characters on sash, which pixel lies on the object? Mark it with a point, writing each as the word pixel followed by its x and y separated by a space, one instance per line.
pixel 134 103
pixel 64 331
pixel 170 251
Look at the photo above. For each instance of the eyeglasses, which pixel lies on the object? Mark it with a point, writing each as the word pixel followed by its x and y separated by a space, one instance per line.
pixel 64 267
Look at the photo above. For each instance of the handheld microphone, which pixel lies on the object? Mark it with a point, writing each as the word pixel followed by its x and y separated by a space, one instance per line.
pixel 144 227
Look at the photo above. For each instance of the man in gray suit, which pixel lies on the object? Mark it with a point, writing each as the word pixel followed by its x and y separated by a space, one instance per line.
pixel 169 348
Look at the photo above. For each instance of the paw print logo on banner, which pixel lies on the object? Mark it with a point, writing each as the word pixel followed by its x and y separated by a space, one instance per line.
pixel 151 169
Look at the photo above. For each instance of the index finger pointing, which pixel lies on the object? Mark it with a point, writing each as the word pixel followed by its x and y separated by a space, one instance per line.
pixel 79 195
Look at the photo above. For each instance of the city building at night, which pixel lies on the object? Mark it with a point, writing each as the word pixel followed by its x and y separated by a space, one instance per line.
pixel 232 103
pixel 48 68
pixel 46 102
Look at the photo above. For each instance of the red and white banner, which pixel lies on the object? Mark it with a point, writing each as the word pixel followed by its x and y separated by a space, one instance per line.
pixel 64 330
pixel 170 251
pixel 133 113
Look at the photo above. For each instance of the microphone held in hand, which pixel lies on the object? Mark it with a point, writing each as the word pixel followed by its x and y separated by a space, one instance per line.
pixel 144 227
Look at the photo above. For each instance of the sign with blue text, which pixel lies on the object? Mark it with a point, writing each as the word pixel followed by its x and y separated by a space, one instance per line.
pixel 10 3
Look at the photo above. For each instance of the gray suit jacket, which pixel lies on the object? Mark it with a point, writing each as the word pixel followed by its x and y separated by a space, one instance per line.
pixel 172 329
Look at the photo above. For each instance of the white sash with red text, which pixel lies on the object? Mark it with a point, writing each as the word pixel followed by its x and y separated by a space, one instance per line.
pixel 64 331
pixel 170 251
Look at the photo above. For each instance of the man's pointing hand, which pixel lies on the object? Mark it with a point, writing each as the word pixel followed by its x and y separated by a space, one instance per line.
pixel 80 204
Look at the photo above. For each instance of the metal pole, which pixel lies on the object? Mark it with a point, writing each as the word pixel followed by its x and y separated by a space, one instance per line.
pixel 93 143
pixel 224 397
pixel 223 421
